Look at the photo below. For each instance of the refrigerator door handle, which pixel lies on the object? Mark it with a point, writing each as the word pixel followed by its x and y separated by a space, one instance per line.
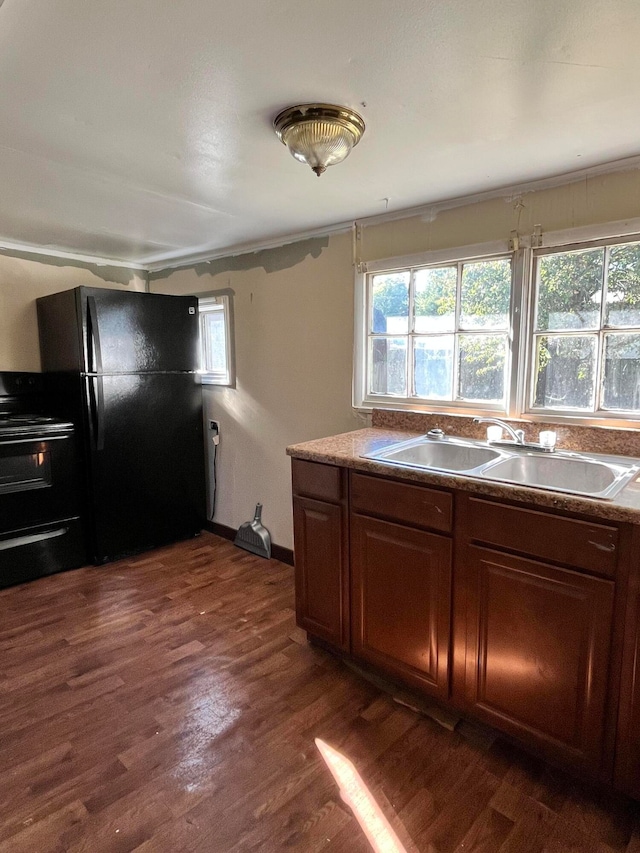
pixel 95 393
pixel 99 412
pixel 95 352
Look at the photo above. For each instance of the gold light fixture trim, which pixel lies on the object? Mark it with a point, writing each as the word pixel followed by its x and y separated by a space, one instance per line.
pixel 319 135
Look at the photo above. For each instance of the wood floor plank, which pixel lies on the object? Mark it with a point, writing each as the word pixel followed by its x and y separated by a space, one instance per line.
pixel 168 704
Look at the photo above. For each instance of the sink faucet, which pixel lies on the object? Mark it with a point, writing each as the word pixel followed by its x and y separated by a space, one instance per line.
pixel 516 434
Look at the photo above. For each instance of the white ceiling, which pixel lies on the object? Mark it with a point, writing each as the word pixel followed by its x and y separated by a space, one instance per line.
pixel 140 130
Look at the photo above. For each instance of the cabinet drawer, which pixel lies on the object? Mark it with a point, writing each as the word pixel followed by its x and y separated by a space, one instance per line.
pixel 408 504
pixel 584 544
pixel 315 480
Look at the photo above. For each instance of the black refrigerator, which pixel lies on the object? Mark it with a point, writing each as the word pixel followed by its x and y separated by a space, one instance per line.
pixel 123 366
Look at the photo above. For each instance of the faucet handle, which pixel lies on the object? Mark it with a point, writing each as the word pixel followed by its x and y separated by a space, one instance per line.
pixel 547 439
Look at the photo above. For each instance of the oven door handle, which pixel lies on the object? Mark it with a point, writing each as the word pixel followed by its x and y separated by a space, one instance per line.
pixel 41 440
pixel 95 350
pixel 32 538
pixel 95 393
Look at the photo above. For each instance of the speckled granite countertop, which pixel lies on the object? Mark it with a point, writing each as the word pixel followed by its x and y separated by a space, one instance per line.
pixel 346 450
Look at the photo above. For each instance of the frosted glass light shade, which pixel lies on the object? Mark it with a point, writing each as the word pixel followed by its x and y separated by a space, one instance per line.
pixel 319 135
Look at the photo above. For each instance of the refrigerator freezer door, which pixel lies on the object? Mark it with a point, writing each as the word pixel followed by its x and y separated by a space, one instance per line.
pixel 60 333
pixel 126 332
pixel 146 461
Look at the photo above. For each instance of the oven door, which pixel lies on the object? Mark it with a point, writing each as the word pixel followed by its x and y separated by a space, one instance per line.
pixel 38 481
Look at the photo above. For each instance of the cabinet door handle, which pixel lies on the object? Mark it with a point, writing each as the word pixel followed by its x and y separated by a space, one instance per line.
pixel 602 547
pixel 433 507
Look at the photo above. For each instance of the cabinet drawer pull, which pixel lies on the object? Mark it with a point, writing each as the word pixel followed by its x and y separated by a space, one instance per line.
pixel 601 547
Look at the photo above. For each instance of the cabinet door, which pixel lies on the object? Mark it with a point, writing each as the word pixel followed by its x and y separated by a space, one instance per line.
pixel 627 761
pixel 538 641
pixel 322 580
pixel 401 601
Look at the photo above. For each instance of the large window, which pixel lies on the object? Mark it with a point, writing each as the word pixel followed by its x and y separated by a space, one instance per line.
pixel 552 331
pixel 440 333
pixel 585 343
pixel 216 352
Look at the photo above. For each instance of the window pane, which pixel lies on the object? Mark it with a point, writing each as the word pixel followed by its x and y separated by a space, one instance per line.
pixel 565 371
pixel 486 292
pixel 433 366
pixel 570 290
pixel 623 288
pixel 481 364
pixel 214 349
pixel 390 303
pixel 435 299
pixel 622 372
pixel 388 366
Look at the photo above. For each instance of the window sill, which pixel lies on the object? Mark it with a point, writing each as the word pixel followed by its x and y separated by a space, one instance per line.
pixel 431 407
pixel 220 383
pixel 612 421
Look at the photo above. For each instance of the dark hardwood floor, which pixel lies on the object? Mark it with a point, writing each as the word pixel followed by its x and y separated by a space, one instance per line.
pixel 168 703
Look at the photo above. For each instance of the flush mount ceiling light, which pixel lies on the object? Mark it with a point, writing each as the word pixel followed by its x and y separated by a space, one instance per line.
pixel 319 135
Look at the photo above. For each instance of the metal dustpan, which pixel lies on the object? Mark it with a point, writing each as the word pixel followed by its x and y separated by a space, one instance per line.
pixel 252 536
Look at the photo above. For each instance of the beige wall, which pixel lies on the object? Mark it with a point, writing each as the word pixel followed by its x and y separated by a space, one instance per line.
pixel 293 330
pixel 294 327
pixel 22 280
pixel 591 200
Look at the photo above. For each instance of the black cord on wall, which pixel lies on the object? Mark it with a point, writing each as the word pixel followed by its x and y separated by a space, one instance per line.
pixel 214 484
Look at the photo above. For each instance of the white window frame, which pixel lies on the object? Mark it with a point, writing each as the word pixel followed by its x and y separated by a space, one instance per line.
pixel 364 401
pixel 218 302
pixel 519 387
pixel 612 417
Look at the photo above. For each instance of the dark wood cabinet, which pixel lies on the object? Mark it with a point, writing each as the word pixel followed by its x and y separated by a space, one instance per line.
pixel 524 618
pixel 401 601
pixel 627 758
pixel 321 552
pixel 537 652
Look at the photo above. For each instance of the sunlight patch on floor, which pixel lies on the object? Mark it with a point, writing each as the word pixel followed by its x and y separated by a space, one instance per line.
pixel 360 800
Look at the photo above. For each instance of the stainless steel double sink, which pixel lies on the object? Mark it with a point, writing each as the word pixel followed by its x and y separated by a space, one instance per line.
pixel 593 475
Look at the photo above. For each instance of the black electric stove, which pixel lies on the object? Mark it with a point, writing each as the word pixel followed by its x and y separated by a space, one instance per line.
pixel 40 526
